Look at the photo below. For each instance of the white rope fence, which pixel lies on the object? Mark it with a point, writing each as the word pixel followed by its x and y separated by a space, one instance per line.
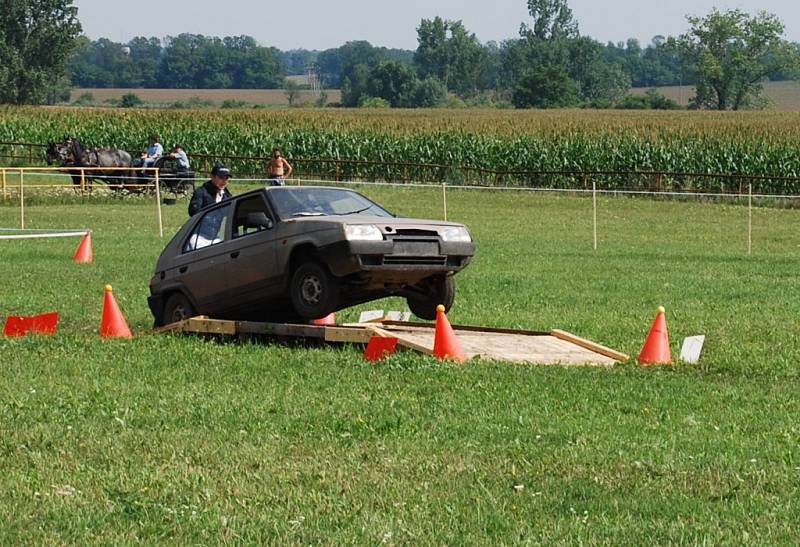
pixel 16 233
pixel 81 172
pixel 593 191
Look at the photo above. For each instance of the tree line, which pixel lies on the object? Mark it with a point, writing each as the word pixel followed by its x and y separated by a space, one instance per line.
pixel 725 55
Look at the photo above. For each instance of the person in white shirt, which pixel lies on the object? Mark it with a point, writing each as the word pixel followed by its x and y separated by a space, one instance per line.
pixel 154 151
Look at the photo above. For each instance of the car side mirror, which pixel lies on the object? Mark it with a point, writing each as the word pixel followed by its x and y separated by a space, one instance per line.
pixel 258 220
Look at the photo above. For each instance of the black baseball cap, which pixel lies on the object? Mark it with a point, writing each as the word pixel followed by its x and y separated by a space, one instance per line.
pixel 220 170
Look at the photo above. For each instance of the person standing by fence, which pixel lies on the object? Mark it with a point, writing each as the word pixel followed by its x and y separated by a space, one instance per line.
pixel 278 169
pixel 213 191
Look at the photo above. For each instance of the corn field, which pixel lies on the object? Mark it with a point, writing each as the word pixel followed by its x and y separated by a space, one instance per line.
pixel 460 144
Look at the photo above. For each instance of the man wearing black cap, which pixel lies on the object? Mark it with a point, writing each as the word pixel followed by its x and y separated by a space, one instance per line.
pixel 213 191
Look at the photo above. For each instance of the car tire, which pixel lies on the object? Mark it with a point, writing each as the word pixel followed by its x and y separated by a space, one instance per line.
pixel 314 291
pixel 437 290
pixel 177 308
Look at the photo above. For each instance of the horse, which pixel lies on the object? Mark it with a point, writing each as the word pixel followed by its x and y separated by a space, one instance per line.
pixel 72 153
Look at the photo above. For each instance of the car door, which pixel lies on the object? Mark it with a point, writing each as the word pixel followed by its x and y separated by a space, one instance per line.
pixel 253 275
pixel 202 266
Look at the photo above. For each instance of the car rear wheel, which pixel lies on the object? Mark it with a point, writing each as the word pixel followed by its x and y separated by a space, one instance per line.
pixel 432 292
pixel 177 309
pixel 314 291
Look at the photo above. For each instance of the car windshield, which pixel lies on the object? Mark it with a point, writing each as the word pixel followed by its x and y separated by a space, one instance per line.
pixel 311 201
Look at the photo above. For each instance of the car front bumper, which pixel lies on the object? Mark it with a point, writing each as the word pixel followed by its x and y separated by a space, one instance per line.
pixel 402 257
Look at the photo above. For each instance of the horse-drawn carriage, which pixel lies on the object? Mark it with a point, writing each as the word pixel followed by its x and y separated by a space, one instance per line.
pixel 171 177
pixel 117 169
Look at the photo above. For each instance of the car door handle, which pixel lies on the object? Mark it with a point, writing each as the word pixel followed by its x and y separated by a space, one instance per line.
pixel 183 269
pixel 235 254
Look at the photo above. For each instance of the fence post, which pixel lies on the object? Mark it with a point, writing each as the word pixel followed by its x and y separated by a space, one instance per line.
pixel 337 170
pixel 750 218
pixel 444 199
pixel 5 186
pixel 158 205
pixel 21 200
pixel 83 182
pixel 661 182
pixel 594 212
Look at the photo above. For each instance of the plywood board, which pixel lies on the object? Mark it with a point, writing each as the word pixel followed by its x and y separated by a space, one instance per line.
pixel 520 346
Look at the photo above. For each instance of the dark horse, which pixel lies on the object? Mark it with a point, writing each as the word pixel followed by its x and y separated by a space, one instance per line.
pixel 72 153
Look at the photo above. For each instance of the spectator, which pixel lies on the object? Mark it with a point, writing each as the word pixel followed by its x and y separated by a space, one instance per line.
pixel 180 157
pixel 278 169
pixel 213 190
pixel 154 151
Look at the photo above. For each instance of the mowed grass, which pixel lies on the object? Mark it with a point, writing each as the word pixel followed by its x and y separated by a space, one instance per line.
pixel 167 439
pixel 216 96
pixel 782 96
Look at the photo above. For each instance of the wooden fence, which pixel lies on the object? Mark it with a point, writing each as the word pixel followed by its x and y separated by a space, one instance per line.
pixel 343 169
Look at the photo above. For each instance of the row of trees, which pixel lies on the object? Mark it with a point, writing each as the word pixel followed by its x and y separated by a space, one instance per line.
pixel 188 61
pixel 726 55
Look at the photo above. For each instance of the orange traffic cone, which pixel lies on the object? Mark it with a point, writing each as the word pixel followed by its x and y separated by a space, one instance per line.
pixel 83 254
pixel 113 324
pixel 329 319
pixel 656 347
pixel 445 343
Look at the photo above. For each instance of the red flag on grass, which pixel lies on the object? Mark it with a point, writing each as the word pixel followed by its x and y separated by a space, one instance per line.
pixel 19 325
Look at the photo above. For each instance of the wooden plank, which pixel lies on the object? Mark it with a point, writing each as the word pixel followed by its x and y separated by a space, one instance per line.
pixel 348 335
pixel 280 329
pixel 177 326
pixel 588 344
pixel 474 328
pixel 404 341
pixel 210 326
pixel 557 347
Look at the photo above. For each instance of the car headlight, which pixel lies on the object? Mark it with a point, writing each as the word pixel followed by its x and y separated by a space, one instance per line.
pixel 455 234
pixel 362 232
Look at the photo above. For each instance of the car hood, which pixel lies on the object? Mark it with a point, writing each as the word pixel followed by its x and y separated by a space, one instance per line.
pixel 379 221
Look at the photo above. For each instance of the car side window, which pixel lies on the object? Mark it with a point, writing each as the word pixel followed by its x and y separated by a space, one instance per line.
pixel 209 231
pixel 252 216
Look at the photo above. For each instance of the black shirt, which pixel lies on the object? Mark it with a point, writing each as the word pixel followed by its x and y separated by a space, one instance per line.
pixel 206 195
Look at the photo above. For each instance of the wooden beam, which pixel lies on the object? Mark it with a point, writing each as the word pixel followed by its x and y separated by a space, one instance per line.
pixel 588 344
pixel 405 342
pixel 352 335
pixel 470 328
pixel 210 326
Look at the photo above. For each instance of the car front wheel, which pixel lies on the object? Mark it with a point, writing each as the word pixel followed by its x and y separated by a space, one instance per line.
pixel 314 291
pixel 429 294
pixel 177 309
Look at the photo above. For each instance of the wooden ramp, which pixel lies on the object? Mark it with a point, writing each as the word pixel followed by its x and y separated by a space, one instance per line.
pixel 556 347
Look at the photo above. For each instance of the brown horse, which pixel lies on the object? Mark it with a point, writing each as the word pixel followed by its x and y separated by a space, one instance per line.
pixel 72 153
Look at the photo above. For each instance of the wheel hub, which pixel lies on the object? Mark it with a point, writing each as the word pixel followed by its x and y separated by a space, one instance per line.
pixel 178 314
pixel 311 289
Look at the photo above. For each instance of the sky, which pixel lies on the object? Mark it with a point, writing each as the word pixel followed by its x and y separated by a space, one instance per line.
pixel 322 25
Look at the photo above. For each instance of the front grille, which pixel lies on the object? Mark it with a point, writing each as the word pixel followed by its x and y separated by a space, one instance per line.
pixel 409 233
pixel 415 260
pixel 414 247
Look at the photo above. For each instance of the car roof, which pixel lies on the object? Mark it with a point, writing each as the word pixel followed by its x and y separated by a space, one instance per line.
pixel 303 187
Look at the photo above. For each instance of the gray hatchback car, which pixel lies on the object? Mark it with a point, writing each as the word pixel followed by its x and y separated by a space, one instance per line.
pixel 290 253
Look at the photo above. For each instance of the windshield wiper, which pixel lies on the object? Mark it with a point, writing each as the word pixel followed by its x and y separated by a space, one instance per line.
pixel 358 211
pixel 308 214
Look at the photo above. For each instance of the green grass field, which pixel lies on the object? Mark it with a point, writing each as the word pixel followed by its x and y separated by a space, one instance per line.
pixel 168 439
